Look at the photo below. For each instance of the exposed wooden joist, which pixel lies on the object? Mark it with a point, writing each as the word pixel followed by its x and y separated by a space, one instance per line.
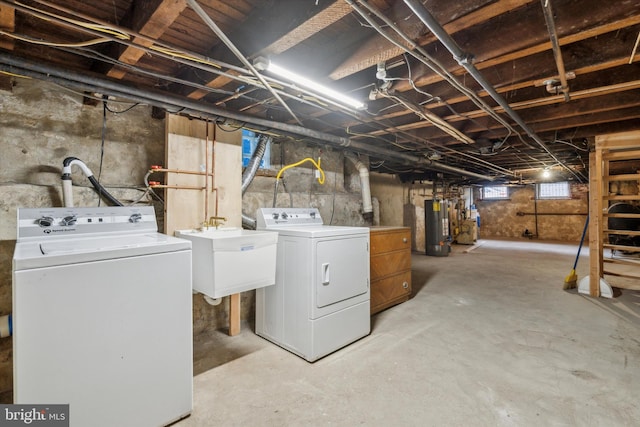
pixel 333 13
pixel 554 99
pixel 8 24
pixel 298 34
pixel 379 49
pixel 523 53
pixel 151 18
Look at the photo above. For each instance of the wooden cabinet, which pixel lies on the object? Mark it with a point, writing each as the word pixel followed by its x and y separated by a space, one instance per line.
pixel 390 266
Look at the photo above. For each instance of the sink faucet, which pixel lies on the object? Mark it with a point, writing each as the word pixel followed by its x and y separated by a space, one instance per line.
pixel 215 221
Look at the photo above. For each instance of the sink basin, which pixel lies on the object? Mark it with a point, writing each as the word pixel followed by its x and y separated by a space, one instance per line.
pixel 231 260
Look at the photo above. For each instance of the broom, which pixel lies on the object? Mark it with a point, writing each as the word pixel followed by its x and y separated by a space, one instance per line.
pixel 572 277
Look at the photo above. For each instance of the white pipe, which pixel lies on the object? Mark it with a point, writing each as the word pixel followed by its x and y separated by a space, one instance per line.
pixel 367 206
pixel 6 326
pixel 212 301
pixel 67 193
pixel 67 184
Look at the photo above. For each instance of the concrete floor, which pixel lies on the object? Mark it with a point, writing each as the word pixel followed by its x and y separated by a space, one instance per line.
pixel 489 338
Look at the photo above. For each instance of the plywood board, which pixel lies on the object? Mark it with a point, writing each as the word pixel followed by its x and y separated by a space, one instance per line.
pixel 192 145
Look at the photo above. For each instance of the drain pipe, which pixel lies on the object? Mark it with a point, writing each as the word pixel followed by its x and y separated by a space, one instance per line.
pixel 67 190
pixel 167 101
pixel 250 172
pixel 466 61
pixel 367 206
pixel 6 326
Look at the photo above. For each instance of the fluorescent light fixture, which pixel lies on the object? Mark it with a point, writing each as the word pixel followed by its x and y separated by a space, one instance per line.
pixel 267 65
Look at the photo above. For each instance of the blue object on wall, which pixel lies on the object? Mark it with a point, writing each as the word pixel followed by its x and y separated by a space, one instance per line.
pixel 249 142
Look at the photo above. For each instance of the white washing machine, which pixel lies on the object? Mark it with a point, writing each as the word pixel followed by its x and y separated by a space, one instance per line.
pixel 320 302
pixel 102 316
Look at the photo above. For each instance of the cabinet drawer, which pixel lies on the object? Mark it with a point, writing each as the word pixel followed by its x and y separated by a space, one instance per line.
pixel 390 263
pixel 390 291
pixel 386 241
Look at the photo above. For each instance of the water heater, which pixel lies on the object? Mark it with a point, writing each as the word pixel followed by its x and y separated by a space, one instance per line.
pixel 436 226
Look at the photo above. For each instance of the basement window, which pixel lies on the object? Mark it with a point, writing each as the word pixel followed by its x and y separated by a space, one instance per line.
pixel 553 190
pixel 495 192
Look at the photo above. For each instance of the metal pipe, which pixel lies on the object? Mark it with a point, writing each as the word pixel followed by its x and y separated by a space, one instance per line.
pixel 555 45
pixel 465 60
pixel 250 172
pixel 425 58
pixel 98 83
pixel 222 36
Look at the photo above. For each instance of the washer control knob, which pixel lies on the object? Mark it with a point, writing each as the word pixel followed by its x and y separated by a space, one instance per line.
pixel 275 215
pixel 312 214
pixel 136 217
pixel 284 215
pixel 45 221
pixel 69 220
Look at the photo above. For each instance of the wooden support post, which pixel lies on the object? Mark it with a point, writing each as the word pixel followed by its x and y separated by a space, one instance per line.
pixel 234 314
pixel 595 234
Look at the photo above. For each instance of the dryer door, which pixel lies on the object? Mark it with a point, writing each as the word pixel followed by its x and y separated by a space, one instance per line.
pixel 342 269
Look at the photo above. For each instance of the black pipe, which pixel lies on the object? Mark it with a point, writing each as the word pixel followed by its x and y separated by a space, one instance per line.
pixel 103 191
pixel 97 83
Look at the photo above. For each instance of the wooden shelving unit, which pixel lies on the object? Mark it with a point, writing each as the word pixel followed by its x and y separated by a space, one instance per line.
pixel 612 148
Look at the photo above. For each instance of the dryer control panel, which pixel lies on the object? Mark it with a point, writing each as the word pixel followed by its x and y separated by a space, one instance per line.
pixel 276 217
pixel 53 222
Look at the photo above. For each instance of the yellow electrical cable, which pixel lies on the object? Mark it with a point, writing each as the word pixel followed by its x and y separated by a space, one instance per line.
pixel 308 159
pixel 177 54
pixel 14 75
pixel 97 27
pixel 46 43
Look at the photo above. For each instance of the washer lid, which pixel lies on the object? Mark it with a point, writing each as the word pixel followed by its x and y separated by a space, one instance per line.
pixel 47 253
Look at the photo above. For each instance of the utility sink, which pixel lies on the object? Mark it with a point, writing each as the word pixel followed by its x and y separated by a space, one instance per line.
pixel 231 260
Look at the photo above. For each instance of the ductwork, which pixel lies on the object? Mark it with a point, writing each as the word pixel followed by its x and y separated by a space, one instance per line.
pixel 465 60
pixel 99 84
pixel 367 206
pixel 250 172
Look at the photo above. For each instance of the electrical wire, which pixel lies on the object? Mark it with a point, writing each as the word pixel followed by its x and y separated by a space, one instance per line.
pixel 572 145
pixel 321 178
pixel 53 44
pixel 104 132
pixel 123 111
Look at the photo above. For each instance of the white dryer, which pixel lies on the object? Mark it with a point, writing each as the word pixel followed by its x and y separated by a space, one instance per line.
pixel 320 302
pixel 102 316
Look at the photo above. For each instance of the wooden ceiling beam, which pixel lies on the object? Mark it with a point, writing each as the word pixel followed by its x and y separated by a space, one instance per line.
pixel 554 99
pixel 150 18
pixel 379 49
pixel 318 22
pixel 8 24
pixel 523 53
pixel 307 27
